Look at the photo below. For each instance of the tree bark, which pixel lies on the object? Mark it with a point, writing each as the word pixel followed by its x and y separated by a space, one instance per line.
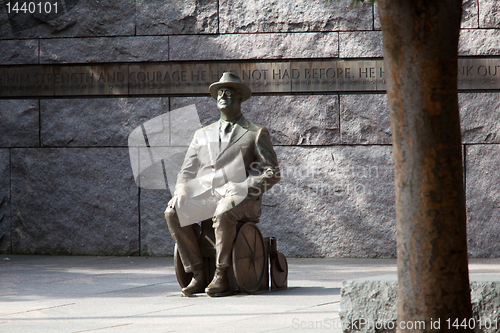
pixel 421 55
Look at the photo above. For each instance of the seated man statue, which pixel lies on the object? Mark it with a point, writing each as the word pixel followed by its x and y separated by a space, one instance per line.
pixel 227 168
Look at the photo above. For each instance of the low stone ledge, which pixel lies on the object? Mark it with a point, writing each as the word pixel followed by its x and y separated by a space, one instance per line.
pixel 369 305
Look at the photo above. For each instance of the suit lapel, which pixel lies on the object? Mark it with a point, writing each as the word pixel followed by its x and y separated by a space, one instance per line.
pixel 212 137
pixel 241 127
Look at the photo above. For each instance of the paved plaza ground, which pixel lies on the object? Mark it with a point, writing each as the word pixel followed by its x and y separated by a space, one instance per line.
pixel 138 294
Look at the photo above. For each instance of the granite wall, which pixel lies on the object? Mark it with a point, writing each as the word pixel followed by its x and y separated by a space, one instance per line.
pixel 66 184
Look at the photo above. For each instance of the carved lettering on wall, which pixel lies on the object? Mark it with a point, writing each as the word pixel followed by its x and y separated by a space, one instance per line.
pixel 194 78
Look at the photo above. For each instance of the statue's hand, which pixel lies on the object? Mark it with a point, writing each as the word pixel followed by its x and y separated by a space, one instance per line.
pixel 232 194
pixel 179 199
pixel 235 189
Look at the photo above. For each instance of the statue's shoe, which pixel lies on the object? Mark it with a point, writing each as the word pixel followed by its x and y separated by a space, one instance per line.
pixel 219 285
pixel 196 285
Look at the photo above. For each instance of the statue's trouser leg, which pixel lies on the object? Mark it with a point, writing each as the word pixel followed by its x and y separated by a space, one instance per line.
pixel 225 228
pixel 186 241
pixel 225 233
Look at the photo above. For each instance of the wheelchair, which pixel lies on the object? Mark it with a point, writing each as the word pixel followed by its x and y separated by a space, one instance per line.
pixel 256 260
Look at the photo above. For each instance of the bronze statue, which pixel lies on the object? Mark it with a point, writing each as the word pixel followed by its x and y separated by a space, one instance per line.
pixel 231 164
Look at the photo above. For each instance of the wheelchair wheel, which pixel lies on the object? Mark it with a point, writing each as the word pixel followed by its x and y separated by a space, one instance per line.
pixel 182 277
pixel 249 258
pixel 279 271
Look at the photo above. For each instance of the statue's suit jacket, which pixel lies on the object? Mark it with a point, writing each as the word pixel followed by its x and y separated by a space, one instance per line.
pixel 206 160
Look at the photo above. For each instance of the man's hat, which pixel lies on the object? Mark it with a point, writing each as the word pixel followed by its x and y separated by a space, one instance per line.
pixel 230 80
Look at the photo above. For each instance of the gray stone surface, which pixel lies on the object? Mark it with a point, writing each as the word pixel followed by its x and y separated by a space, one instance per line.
pixel 287 16
pixel 368 301
pixel 479 121
pixel 374 300
pixel 155 237
pixel 480 42
pixel 489 14
pixel 96 121
pixel 176 17
pixel 376 18
pixel 19 120
pixel 254 46
pixel 485 297
pixel 315 118
pixel 107 49
pixel 333 201
pixel 5 224
pixel 74 202
pixel 84 18
pixel 470 14
pixel 364 119
pixel 206 107
pixel 483 200
pixel 14 52
pixel 361 44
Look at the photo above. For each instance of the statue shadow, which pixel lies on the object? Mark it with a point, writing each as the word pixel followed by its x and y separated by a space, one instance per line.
pixel 305 291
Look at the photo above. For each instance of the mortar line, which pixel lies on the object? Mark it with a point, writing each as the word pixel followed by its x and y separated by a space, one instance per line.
pixel 39 123
pixel 218 16
pixel 11 250
pixel 139 217
pixel 340 128
pixel 465 178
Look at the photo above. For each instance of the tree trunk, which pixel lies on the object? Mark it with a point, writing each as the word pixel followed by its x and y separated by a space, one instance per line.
pixel 420 53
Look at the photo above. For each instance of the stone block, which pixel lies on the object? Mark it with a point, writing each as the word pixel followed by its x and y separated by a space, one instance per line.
pixel 5 221
pixel 155 237
pixel 74 201
pixel 103 49
pixel 96 121
pixel 254 46
pixel 314 122
pixel 5 28
pixel 373 301
pixel 19 123
pixel 478 113
pixel 470 14
pixel 489 14
pixel 176 17
pixel 485 298
pixel 74 18
pixel 361 44
pixel 242 16
pixel 479 42
pixel 369 301
pixel 15 52
pixel 364 119
pixel 483 200
pixel 333 202
pixel 376 18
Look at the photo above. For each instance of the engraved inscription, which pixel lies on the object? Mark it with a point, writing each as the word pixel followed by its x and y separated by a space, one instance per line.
pixel 194 78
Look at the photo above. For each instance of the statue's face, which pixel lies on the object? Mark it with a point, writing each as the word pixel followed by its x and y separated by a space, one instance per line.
pixel 226 98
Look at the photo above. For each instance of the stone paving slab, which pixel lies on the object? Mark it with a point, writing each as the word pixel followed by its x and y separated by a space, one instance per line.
pixel 139 294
